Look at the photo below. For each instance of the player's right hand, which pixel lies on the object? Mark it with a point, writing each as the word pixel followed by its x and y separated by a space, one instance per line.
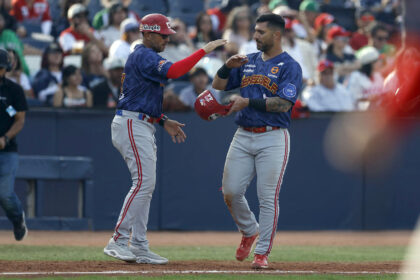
pixel 236 61
pixel 211 46
pixel 174 129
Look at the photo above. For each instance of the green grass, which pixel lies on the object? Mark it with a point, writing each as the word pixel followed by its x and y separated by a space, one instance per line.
pixel 175 253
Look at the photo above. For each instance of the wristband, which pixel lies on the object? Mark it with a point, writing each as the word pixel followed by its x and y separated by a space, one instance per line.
pixel 162 120
pixel 224 72
pixel 258 104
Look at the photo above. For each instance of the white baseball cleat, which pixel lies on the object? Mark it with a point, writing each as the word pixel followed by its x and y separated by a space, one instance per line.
pixel 119 251
pixel 147 256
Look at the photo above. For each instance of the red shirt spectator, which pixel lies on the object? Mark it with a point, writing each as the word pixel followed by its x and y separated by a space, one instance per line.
pixel 33 10
pixel 360 38
pixel 69 37
pixel 74 38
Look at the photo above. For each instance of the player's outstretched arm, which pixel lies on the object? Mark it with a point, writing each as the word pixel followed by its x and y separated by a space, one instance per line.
pixel 175 131
pixel 182 67
pixel 221 78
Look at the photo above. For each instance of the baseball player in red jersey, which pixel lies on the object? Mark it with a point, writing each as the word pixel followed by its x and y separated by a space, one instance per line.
pixel 139 108
pixel 269 83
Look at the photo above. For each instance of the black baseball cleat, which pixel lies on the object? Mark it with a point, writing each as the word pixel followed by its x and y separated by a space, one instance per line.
pixel 20 231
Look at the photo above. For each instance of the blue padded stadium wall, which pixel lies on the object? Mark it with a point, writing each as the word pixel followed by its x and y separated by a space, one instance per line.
pixel 314 195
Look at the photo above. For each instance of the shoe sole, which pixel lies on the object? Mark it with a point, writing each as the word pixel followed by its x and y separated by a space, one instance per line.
pixel 257 266
pixel 114 254
pixel 150 261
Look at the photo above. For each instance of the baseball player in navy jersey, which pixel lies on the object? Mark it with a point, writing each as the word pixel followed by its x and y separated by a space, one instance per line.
pixel 269 83
pixel 139 108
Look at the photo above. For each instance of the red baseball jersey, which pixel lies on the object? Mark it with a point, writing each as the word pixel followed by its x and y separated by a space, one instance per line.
pixel 38 11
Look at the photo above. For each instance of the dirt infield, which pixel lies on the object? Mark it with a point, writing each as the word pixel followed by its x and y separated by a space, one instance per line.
pixel 194 266
pixel 395 238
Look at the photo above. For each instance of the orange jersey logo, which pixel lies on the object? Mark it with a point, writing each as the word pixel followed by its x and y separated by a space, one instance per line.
pixel 260 80
pixel 274 70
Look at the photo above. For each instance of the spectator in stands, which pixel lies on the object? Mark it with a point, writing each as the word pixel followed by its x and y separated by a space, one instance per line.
pixel 130 33
pixel 327 95
pixel 220 13
pixel 238 29
pixel 33 12
pixel 379 37
pixel 364 21
pixel 74 38
pixel 204 32
pixel 102 20
pixel 385 10
pixel 10 21
pixel 344 62
pixel 284 11
pixel 92 66
pixel 172 103
pixel 106 93
pixel 308 11
pixel 62 23
pixel 260 7
pixel 367 83
pixel 180 44
pixel 323 22
pixel 13 108
pixel 72 94
pixel 48 79
pixel 17 75
pixel 111 33
pixel 302 51
pixel 199 83
pixel 9 40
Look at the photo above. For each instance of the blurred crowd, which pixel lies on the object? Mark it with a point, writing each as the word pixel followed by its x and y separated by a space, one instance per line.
pixel 67 54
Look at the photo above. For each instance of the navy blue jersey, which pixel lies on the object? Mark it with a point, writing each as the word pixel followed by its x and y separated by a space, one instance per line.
pixel 143 80
pixel 279 76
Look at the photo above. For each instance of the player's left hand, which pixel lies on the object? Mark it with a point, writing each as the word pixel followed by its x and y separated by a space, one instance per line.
pixel 238 103
pixel 174 129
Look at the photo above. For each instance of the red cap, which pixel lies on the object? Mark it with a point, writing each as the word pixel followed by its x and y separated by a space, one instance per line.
pixel 324 65
pixel 337 31
pixel 156 23
pixel 207 107
pixel 322 20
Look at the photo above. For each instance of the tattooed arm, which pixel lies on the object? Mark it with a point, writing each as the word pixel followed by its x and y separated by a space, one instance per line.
pixel 277 105
pixel 271 104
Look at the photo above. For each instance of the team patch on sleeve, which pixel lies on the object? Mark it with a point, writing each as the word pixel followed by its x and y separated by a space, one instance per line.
pixel 161 63
pixel 289 90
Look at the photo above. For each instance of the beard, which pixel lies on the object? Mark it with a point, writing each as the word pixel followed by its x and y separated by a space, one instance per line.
pixel 264 46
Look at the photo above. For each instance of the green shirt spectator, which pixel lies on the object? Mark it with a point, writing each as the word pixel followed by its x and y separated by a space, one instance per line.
pixel 9 40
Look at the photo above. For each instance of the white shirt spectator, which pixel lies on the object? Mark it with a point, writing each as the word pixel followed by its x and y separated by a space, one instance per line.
pixel 110 35
pixel 120 49
pixel 322 99
pixel 248 47
pixel 305 54
pixel 23 81
pixel 362 88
